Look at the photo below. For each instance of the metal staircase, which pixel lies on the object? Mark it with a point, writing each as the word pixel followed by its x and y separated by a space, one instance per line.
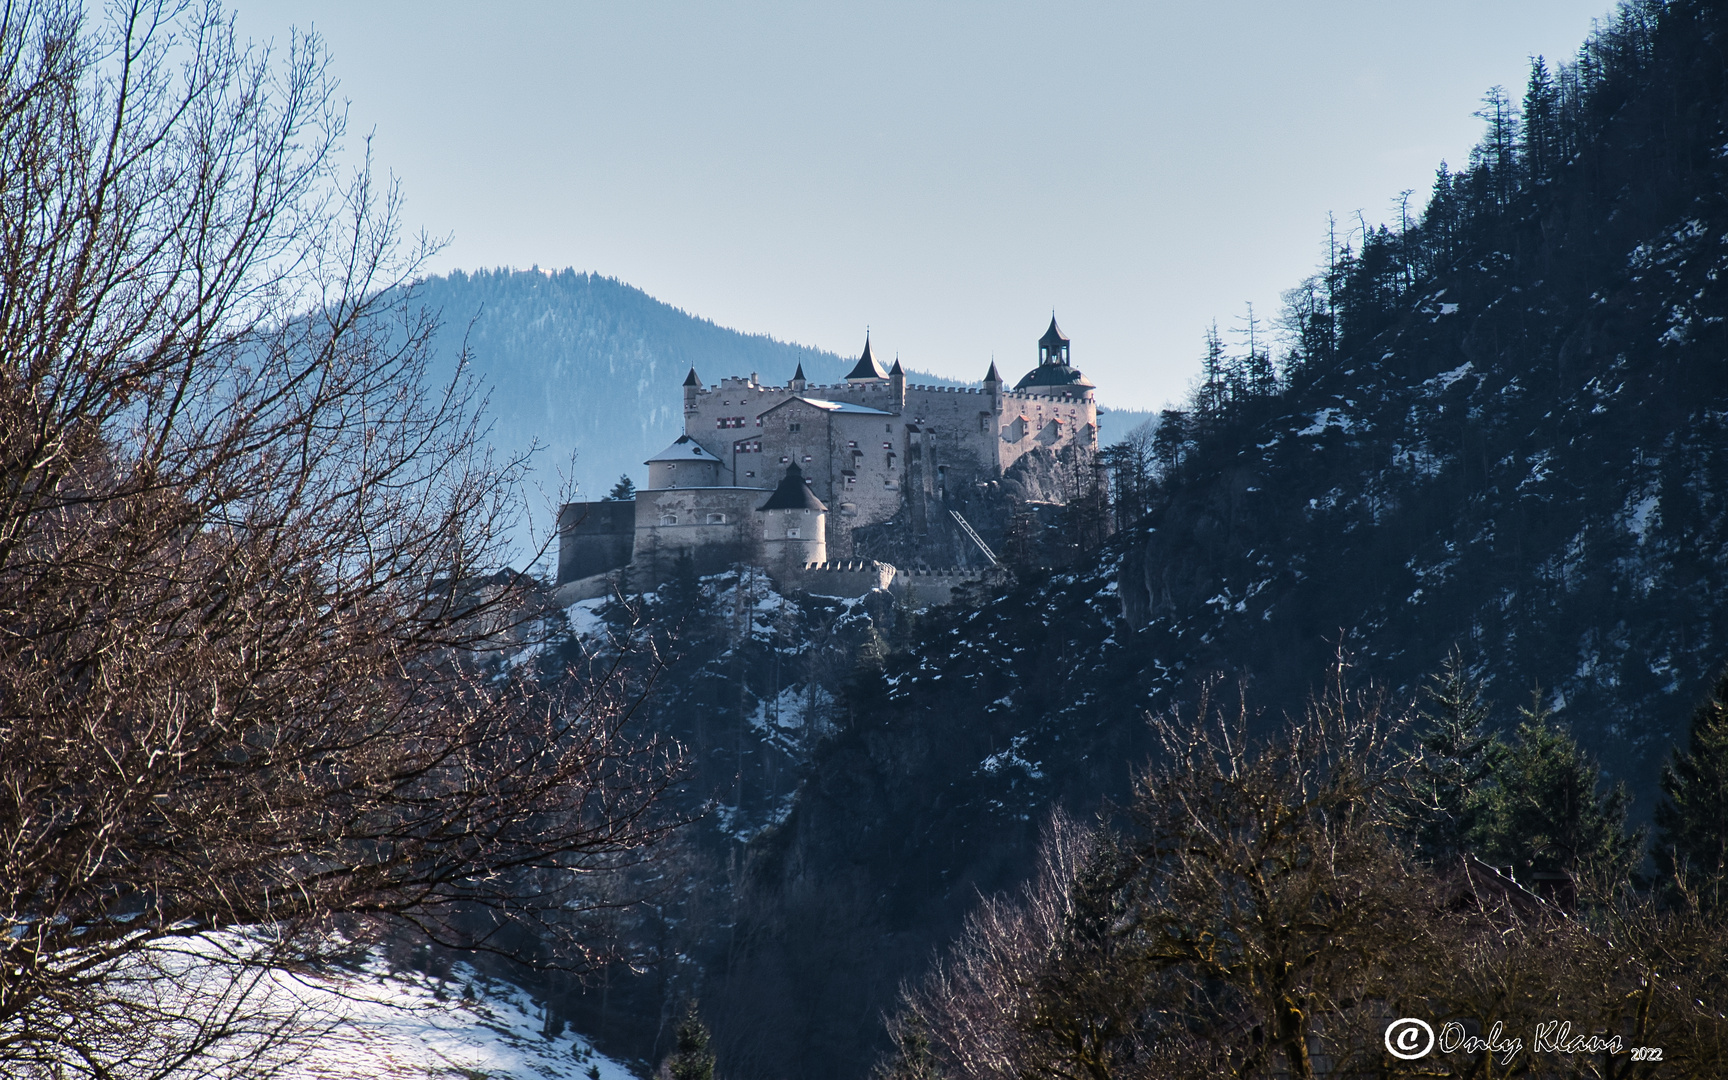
pixel 972 534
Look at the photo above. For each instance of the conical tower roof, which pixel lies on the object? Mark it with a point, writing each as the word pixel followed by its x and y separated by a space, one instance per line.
pixel 867 367
pixel 798 376
pixel 1053 338
pixel 793 494
pixel 684 448
pixel 691 379
pixel 992 375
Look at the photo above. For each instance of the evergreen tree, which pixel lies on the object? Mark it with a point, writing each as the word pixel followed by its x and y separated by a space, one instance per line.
pixel 1541 124
pixel 1454 761
pixel 1021 540
pixel 690 1058
pixel 1212 394
pixel 623 490
pixel 1542 812
pixel 1692 820
pixel 1170 441
pixel 1129 464
pixel 1498 154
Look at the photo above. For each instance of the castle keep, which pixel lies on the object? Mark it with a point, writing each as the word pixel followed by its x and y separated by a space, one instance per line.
pixel 836 488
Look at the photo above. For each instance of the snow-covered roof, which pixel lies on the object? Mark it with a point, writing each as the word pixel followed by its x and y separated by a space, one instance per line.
pixel 845 408
pixel 685 449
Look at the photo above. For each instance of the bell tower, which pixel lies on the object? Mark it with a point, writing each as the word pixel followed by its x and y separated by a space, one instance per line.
pixel 1053 346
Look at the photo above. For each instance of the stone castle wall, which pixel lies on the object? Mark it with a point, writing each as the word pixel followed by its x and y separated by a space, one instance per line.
pixel 888 459
pixel 868 468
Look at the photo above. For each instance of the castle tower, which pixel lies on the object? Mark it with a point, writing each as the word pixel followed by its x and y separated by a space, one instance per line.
pixel 799 382
pixel 1053 346
pixel 684 464
pixel 1055 375
pixel 794 524
pixel 866 370
pixel 692 387
pixel 897 385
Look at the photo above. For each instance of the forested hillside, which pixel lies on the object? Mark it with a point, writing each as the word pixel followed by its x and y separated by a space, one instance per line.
pixel 1497 426
pixel 587 364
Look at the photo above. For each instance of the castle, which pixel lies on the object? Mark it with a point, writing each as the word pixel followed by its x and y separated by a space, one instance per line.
pixel 837 488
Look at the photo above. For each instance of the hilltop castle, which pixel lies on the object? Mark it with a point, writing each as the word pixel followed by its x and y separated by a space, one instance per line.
pixel 854 479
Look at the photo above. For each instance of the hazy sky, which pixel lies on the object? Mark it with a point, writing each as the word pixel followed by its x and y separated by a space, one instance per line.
pixel 946 173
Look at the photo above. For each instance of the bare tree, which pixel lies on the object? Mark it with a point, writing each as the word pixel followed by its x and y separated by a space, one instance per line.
pixel 1262 919
pixel 249 563
pixel 976 1005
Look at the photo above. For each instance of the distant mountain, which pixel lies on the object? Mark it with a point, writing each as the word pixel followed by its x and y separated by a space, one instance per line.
pixel 585 364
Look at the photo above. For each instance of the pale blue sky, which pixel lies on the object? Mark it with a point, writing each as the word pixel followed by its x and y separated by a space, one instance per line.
pixel 943 172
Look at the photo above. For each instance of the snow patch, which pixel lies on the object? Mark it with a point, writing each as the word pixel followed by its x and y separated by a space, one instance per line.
pixel 1445 379
pixel 1639 515
pixel 1326 418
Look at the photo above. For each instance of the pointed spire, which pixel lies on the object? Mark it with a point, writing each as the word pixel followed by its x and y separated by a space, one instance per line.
pixel 691 379
pixel 897 369
pixel 867 367
pixel 798 376
pixel 992 376
pixel 1053 346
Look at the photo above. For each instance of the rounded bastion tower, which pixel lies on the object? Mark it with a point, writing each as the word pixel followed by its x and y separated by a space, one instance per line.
pixel 794 524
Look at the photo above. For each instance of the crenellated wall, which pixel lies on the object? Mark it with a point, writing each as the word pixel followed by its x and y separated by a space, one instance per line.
pixel 883 456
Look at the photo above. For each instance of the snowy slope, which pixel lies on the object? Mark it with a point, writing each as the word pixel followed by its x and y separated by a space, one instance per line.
pixel 383 1024
pixel 362 1018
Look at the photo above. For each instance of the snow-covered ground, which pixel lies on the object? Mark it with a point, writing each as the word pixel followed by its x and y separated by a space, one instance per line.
pixel 368 1020
pixel 384 1024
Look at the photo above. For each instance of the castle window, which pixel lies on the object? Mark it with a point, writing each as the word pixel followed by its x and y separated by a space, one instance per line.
pixel 806 458
pixel 716 519
pixel 852 443
pixel 668 519
pixel 848 508
pixel 890 461
pixel 792 533
pixel 784 460
pixel 851 479
pixel 794 428
pixel 750 474
pixel 887 446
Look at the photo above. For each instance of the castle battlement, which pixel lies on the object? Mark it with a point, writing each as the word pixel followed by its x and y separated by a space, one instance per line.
pixel 871 452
